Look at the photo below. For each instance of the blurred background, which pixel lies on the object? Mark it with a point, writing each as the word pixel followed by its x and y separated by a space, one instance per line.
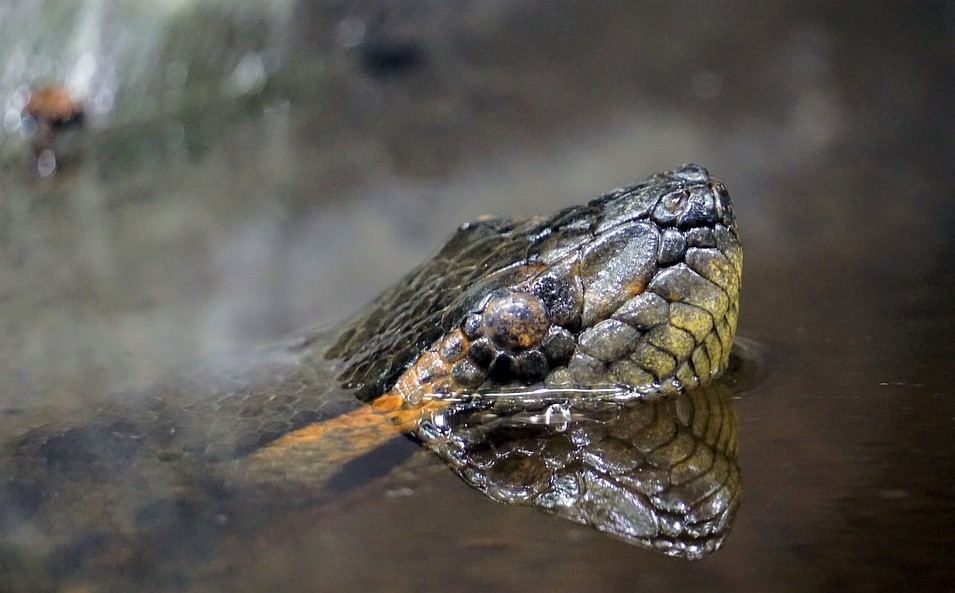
pixel 182 179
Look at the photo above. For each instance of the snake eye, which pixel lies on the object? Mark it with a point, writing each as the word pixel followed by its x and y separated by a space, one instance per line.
pixel 516 320
pixel 506 338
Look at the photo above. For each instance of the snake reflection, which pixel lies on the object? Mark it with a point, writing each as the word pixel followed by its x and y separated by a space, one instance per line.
pixel 568 363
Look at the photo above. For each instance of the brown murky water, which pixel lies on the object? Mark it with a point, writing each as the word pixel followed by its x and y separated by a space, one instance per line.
pixel 174 237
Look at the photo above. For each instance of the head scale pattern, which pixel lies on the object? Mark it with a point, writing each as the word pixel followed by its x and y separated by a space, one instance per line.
pixel 638 288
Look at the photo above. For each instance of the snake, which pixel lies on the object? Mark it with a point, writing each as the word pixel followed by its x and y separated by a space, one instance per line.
pixel 568 362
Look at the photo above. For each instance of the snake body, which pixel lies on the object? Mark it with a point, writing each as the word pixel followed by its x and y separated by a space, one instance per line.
pixel 616 316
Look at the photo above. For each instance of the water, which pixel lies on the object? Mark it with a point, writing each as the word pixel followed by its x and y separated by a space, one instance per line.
pixel 213 225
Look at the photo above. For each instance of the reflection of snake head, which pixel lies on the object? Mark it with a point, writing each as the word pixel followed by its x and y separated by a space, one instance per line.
pixel 662 475
pixel 638 288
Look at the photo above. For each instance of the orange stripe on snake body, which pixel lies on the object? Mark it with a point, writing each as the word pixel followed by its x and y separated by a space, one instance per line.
pixel 351 435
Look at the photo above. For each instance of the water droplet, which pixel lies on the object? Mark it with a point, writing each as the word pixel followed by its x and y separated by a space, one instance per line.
pixel 46 163
pixel 11 120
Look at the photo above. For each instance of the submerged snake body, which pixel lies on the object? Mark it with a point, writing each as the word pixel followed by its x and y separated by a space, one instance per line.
pixel 630 300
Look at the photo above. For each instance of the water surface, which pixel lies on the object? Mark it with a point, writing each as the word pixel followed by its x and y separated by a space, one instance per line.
pixel 193 232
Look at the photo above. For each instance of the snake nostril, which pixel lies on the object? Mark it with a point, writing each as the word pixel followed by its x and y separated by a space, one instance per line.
pixel 699 211
pixel 674 203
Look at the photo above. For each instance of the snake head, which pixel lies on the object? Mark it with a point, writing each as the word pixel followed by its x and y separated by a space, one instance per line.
pixel 636 290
